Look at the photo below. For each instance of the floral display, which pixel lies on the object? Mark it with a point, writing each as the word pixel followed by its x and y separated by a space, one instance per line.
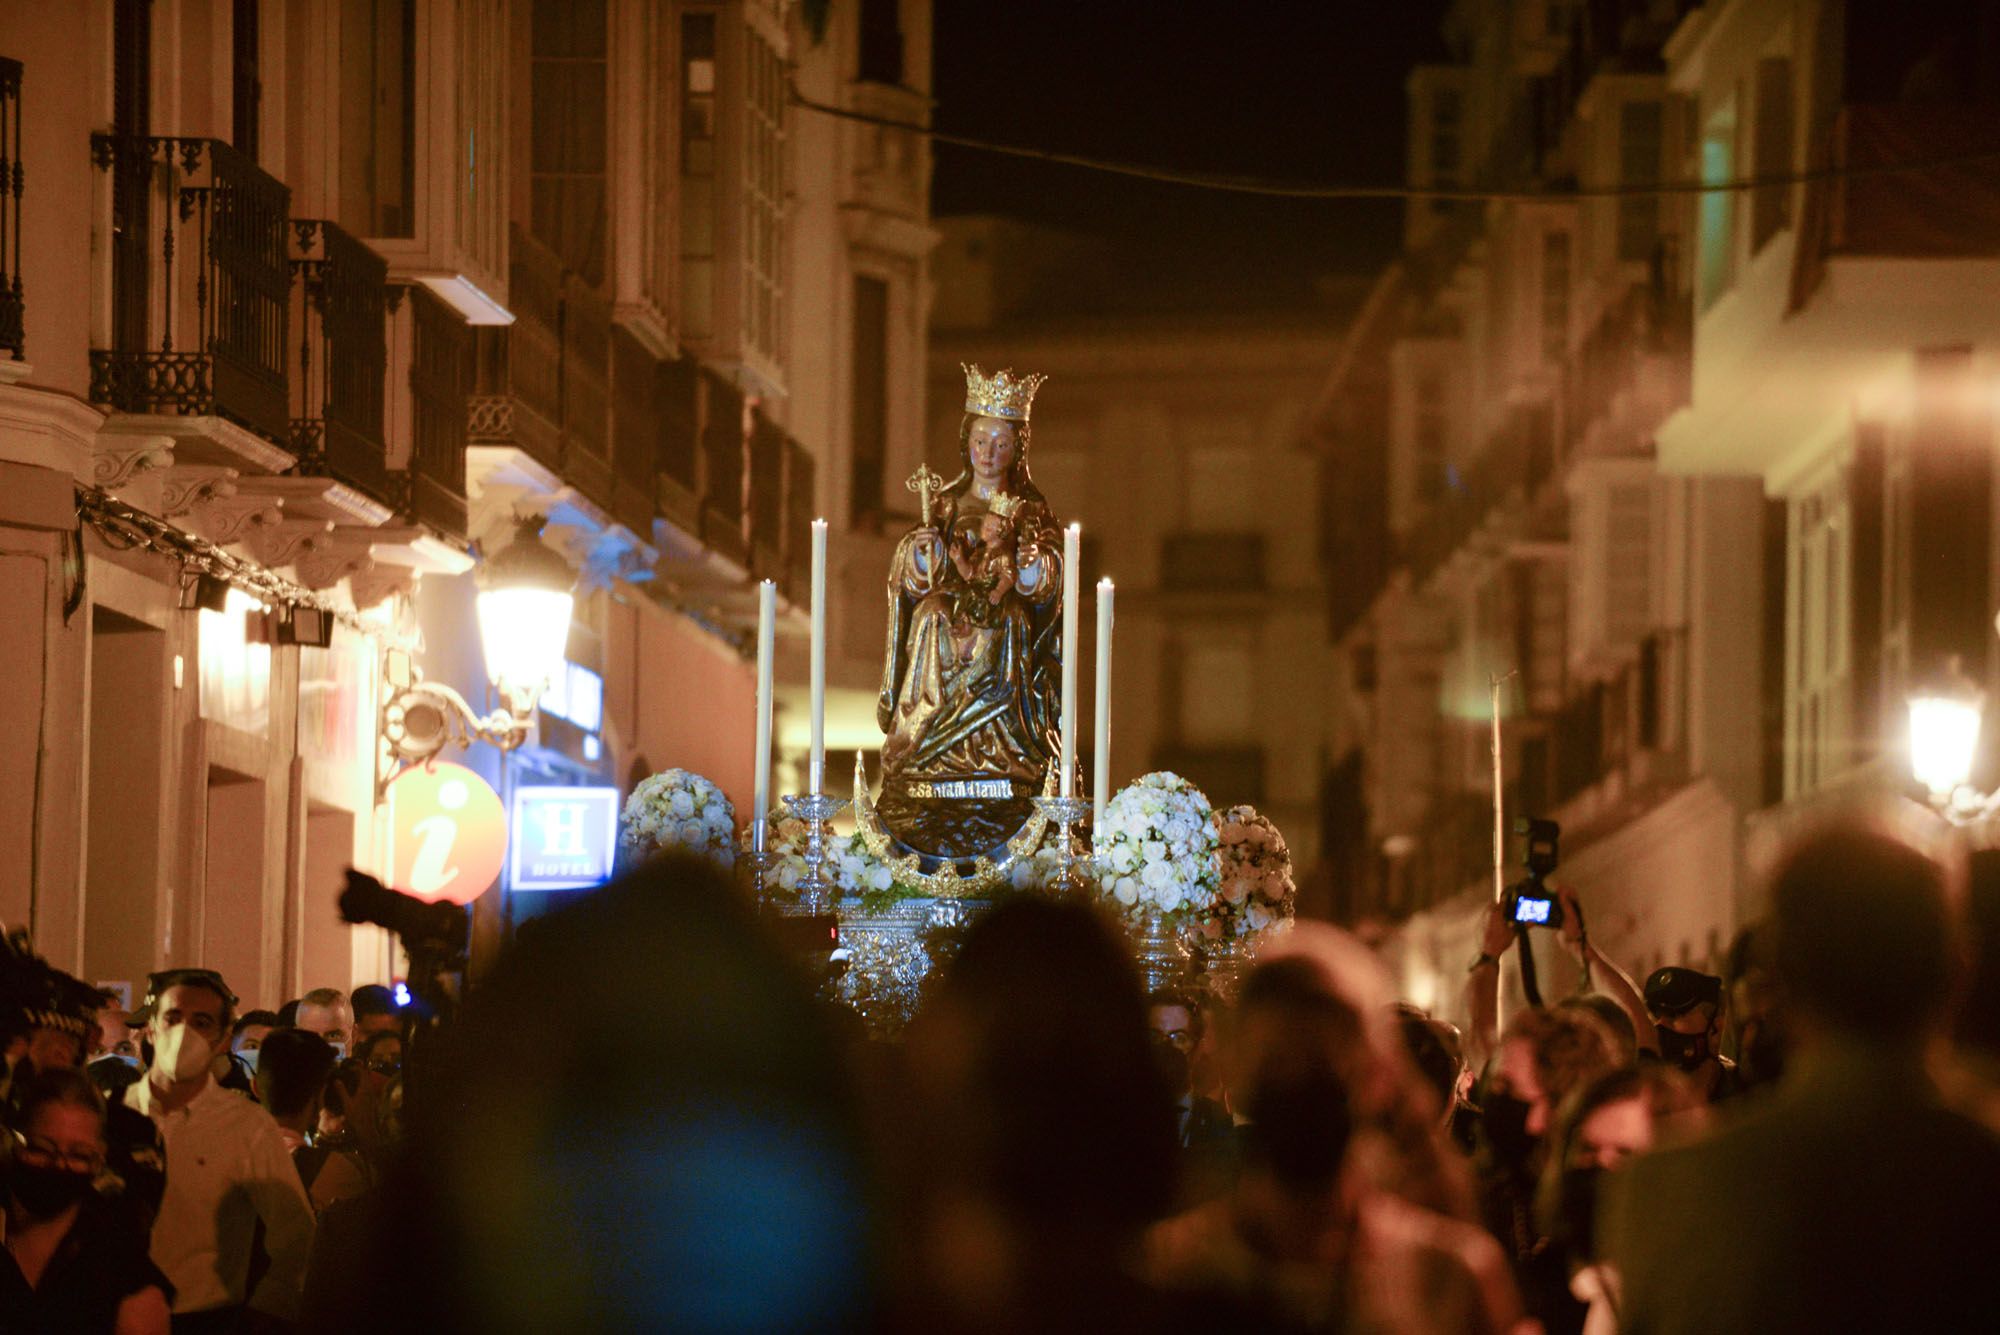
pixel 678 809
pixel 1255 890
pixel 853 868
pixel 1157 850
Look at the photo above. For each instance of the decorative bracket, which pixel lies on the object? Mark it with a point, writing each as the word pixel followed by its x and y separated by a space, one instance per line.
pixel 284 542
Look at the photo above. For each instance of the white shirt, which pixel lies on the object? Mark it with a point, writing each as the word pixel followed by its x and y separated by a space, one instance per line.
pixel 227 1167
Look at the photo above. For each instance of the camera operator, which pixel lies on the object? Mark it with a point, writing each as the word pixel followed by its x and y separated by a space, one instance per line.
pixel 1686 1007
pixel 1498 933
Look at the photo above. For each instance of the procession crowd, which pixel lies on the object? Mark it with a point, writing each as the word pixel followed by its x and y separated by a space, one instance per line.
pixel 644 1118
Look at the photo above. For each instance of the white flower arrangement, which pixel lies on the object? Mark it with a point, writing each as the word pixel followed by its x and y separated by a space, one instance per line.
pixel 1156 851
pixel 679 809
pixel 854 870
pixel 1255 892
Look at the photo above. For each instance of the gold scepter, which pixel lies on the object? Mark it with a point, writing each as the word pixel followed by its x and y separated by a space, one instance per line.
pixel 925 483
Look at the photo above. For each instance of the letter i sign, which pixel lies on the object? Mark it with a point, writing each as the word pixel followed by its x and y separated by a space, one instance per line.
pixel 447 833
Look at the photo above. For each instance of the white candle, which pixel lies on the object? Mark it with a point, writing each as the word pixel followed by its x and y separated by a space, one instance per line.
pixel 817 765
pixel 1072 540
pixel 1499 802
pixel 1101 759
pixel 767 632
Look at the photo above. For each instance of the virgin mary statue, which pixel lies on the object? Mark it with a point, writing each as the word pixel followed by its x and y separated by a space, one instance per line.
pixel 971 680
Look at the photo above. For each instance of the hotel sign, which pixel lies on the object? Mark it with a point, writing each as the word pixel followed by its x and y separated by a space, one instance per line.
pixel 564 838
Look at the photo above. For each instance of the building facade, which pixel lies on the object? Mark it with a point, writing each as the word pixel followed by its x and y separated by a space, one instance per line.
pixel 1700 478
pixel 337 291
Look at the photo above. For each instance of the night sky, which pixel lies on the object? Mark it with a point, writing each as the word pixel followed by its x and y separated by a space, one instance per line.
pixel 1308 90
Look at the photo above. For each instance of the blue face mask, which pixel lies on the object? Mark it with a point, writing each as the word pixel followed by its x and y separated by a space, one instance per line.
pixel 248 1056
pixel 125 1059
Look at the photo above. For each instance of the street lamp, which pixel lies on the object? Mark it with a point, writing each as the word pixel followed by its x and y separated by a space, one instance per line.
pixel 524 604
pixel 1944 732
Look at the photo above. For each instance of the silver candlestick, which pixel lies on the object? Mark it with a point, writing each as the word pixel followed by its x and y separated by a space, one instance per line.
pixel 817 893
pixel 1063 813
pixel 760 857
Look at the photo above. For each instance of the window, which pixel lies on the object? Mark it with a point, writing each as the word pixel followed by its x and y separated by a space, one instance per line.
pixel 763 197
pixel 699 198
pixel 1555 295
pixel 881 42
pixel 1771 205
pixel 1638 164
pixel 378 123
pixel 1816 638
pixel 1718 208
pixel 1447 115
pixel 870 407
pixel 568 145
pixel 246 82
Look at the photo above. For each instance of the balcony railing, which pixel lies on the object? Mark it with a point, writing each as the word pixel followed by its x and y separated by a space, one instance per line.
pixel 724 450
pixel 441 370
pixel 13 321
pixel 800 507
pixel 199 283
pixel 635 433
pixel 585 375
pixel 517 389
pixel 677 394
pixel 340 318
pixel 764 519
pixel 1950 211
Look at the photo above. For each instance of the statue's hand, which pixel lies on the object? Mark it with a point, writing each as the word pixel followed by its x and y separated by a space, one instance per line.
pixel 927 554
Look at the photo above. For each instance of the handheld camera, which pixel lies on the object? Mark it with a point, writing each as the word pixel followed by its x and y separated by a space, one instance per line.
pixel 1530 903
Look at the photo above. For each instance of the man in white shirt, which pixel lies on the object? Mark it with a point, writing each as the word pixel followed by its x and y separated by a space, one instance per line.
pixel 227 1168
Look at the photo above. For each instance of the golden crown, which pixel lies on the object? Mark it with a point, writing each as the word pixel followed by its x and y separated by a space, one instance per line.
pixel 1003 394
pixel 1002 504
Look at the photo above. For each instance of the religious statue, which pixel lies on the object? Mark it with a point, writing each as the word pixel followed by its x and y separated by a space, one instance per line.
pixel 971 680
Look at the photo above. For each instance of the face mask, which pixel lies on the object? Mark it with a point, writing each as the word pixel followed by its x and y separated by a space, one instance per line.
pixel 339 1051
pixel 45 1190
pixel 249 1058
pixel 1300 1125
pixel 1504 1121
pixel 181 1054
pixel 124 1059
pixel 1578 1206
pixel 1686 1051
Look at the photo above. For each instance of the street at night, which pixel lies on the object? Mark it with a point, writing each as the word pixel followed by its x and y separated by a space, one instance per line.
pixel 1065 666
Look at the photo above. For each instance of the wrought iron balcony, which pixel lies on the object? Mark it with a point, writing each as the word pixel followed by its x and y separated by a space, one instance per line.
pixel 440 383
pixel 13 334
pixel 543 384
pixel 724 467
pixel 635 433
pixel 199 283
pixel 800 507
pixel 517 391
pixel 340 323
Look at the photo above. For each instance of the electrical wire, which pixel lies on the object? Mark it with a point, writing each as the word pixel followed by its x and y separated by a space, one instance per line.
pixel 126 529
pixel 1251 185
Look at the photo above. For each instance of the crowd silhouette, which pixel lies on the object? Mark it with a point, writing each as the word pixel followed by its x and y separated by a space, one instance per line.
pixel 645 1118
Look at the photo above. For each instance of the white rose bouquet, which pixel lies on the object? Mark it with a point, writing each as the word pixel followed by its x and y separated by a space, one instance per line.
pixel 856 871
pixel 1156 853
pixel 679 809
pixel 785 840
pixel 1255 891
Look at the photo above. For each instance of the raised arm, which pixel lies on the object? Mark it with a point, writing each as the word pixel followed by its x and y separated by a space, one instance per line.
pixel 1603 973
pixel 1482 987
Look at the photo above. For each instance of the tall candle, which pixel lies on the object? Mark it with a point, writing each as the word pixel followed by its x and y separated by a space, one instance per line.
pixel 1072 540
pixel 1101 788
pixel 817 764
pixel 767 633
pixel 1499 802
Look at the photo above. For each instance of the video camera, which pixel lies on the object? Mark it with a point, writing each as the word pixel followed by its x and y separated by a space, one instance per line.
pixel 1530 903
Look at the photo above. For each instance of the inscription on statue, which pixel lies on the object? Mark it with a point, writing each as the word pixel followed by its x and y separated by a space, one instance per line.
pixel 958 789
